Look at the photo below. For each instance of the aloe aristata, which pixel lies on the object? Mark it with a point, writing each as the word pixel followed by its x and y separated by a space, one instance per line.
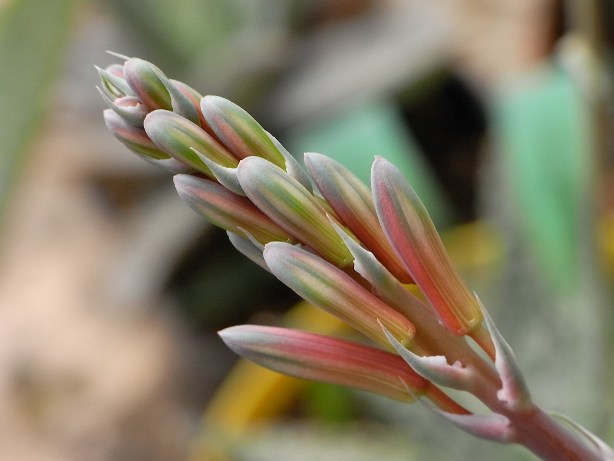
pixel 347 248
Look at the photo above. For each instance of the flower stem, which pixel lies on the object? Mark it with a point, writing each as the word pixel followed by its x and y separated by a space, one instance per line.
pixel 549 439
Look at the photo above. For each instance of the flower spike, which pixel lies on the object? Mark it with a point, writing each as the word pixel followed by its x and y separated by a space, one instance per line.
pixel 346 248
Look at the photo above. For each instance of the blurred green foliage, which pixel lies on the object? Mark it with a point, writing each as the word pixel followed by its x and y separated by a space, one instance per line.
pixel 541 127
pixel 32 37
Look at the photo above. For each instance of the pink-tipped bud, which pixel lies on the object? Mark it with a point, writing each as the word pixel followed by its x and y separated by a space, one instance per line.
pixel 412 234
pixel 322 358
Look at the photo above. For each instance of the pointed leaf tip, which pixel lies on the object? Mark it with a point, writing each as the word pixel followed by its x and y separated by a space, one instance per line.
pixel 435 368
pixel 514 391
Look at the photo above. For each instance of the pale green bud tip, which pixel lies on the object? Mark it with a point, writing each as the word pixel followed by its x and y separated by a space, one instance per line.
pixel 238 130
pixel 330 288
pixel 322 358
pixel 179 137
pixel 143 78
pixel 413 236
pixel 292 207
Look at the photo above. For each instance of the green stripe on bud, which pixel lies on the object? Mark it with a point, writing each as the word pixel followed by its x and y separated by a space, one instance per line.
pixel 143 78
pixel 412 234
pixel 238 130
pixel 292 207
pixel 179 138
pixel 330 288
pixel 227 210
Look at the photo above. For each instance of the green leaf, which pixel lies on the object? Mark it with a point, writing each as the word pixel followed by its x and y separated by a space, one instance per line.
pixel 543 139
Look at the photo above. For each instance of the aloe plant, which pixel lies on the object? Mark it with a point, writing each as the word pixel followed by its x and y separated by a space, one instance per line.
pixel 372 257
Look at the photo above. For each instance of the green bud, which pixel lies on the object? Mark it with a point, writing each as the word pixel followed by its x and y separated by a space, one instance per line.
pixel 239 131
pixel 292 207
pixel 179 138
pixel 143 78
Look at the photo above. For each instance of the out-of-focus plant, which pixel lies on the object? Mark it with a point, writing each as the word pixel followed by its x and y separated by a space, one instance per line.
pixel 372 257
pixel 32 36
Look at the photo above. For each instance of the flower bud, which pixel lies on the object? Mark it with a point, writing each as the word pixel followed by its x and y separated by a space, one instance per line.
pixel 238 130
pixel 133 137
pixel 322 358
pixel 331 289
pixel 292 207
pixel 227 210
pixel 143 78
pixel 412 234
pixel 179 137
pixel 351 199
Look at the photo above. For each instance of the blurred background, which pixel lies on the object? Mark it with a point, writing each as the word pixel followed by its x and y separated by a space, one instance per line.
pixel 500 113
